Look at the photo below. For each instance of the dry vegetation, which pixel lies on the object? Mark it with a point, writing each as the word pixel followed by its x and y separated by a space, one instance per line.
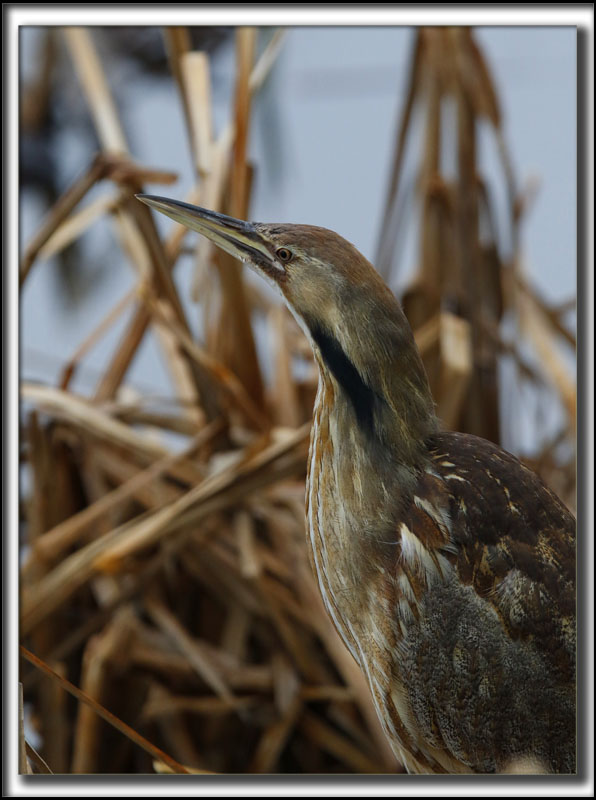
pixel 168 589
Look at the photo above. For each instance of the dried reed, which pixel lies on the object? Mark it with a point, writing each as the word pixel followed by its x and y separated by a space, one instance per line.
pixel 468 281
pixel 172 586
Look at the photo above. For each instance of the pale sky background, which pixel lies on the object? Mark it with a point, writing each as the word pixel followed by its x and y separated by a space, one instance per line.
pixel 322 140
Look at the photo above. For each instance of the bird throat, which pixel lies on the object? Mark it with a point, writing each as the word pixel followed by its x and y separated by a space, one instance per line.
pixel 391 412
pixel 363 399
pixel 355 488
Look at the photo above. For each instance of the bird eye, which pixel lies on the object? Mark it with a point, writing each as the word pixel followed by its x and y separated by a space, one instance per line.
pixel 284 254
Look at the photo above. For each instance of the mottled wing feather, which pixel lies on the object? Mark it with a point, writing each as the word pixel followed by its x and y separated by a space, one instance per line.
pixel 492 647
pixel 515 542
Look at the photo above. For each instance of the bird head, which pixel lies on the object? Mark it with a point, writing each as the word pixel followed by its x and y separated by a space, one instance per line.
pixel 320 275
pixel 355 325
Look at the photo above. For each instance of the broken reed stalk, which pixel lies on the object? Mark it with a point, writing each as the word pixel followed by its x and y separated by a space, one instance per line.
pixel 91 340
pixel 112 140
pixel 110 718
pixel 50 545
pixel 465 283
pixel 58 214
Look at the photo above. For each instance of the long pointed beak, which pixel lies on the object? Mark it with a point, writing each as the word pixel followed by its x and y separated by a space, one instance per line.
pixel 239 238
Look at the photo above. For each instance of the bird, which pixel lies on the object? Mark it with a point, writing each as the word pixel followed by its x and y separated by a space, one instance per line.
pixel 445 564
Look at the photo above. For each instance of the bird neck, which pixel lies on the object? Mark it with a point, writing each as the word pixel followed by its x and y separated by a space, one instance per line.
pixel 381 396
pixel 372 417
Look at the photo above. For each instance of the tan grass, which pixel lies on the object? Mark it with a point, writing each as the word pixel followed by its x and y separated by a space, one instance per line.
pixel 167 588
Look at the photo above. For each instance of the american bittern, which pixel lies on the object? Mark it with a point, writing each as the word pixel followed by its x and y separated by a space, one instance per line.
pixel 447 567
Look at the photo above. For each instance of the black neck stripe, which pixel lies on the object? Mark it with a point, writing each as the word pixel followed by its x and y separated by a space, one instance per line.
pixel 361 396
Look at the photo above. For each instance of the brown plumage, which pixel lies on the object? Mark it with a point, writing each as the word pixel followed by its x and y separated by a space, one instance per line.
pixel 447 567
